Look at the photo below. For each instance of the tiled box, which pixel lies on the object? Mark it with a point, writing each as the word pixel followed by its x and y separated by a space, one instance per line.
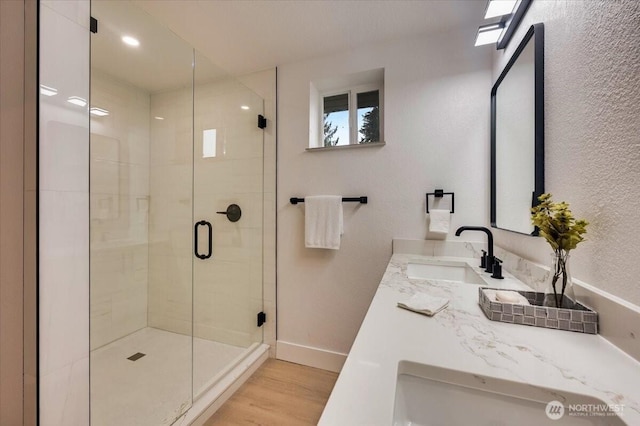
pixel 580 319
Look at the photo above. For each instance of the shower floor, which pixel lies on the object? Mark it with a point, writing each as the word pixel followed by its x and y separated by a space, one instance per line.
pixel 156 388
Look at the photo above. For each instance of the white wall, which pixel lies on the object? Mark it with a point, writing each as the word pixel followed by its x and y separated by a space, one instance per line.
pixel 64 218
pixel 437 135
pixel 592 135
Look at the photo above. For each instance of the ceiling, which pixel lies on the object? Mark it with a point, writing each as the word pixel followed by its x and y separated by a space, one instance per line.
pixel 243 36
pixel 162 62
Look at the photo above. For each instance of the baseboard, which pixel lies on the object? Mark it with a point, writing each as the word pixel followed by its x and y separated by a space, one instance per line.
pixel 205 406
pixel 309 356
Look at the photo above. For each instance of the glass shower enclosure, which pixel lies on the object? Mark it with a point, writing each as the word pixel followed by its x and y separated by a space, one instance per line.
pixel 176 209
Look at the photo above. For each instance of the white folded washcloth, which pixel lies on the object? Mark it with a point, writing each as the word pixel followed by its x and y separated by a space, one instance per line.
pixel 323 221
pixel 425 304
pixel 506 296
pixel 439 221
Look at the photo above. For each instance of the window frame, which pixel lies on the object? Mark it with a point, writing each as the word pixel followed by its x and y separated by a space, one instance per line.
pixel 352 92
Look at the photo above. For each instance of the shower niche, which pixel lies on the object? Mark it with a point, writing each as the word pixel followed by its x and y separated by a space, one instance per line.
pixel 173 141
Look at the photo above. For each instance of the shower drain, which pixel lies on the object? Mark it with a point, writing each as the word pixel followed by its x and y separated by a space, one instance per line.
pixel 136 356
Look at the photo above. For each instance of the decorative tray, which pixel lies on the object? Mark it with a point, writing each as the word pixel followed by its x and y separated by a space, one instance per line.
pixel 580 319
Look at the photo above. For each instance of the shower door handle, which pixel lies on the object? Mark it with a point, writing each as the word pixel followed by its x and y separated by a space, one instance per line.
pixel 195 238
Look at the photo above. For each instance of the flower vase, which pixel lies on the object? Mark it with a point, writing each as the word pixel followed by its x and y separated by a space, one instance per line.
pixel 559 290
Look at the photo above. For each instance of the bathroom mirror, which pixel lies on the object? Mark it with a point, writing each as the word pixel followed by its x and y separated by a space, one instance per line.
pixel 517 136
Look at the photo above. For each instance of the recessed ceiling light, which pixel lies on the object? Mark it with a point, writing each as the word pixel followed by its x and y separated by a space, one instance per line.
pixel 77 100
pixel 131 41
pixel 499 8
pixel 98 111
pixel 488 34
pixel 48 91
pixel 244 107
pixel 158 118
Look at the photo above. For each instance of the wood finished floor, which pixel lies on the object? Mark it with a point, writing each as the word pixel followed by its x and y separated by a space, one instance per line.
pixel 279 393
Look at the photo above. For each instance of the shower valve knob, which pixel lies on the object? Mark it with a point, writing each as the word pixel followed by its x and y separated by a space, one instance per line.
pixel 233 212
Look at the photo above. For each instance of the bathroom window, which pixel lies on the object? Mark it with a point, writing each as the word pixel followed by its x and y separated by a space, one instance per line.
pixel 347 111
pixel 368 116
pixel 209 143
pixel 351 117
pixel 335 120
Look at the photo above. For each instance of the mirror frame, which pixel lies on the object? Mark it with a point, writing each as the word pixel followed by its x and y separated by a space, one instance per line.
pixel 537 33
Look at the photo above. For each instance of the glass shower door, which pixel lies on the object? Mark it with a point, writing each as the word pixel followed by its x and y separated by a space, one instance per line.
pixel 176 199
pixel 141 198
pixel 228 194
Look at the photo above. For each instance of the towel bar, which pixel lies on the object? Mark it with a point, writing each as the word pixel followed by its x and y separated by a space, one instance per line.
pixel 361 200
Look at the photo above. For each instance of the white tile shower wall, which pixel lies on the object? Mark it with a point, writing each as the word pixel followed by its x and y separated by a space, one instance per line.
pixel 64 219
pixel 224 284
pixel 170 212
pixel 240 244
pixel 233 290
pixel 592 133
pixel 119 197
pixel 436 131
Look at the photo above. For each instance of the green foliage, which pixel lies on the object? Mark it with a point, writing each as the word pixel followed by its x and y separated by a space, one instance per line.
pixel 329 132
pixel 370 129
pixel 557 224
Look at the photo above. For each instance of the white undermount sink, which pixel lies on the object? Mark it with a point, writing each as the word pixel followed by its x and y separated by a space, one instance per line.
pixel 444 270
pixel 427 395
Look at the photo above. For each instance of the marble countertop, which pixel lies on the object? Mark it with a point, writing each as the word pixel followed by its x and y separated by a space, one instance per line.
pixel 461 338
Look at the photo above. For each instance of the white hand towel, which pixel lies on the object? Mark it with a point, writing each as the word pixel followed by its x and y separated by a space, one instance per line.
pixel 439 221
pixel 323 221
pixel 424 304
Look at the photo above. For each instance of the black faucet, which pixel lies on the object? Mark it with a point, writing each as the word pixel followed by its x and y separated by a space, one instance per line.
pixel 488 264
